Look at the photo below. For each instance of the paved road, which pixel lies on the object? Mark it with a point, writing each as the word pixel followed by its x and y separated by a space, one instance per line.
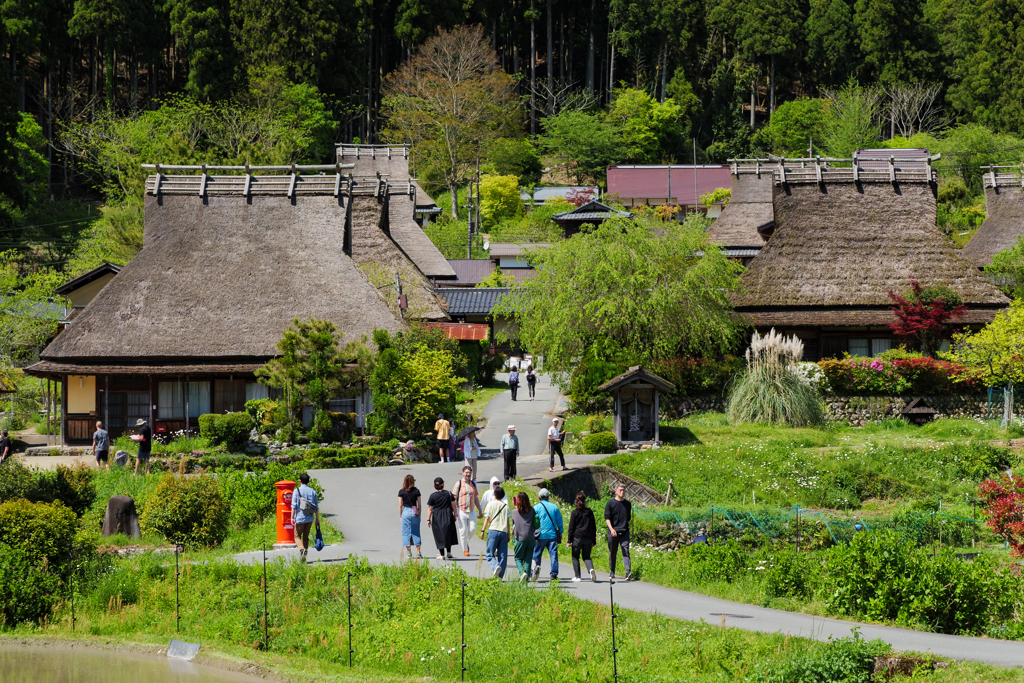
pixel 362 502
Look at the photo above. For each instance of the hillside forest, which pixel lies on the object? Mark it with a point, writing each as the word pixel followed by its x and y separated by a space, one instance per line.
pixel 96 87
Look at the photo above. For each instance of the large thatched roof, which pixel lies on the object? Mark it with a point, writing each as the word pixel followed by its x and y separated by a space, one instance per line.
pixel 393 162
pixel 843 246
pixel 749 212
pixel 1003 225
pixel 222 277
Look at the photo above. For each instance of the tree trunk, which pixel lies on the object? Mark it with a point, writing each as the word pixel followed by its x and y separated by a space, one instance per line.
pixel 454 192
pixel 109 67
pixel 550 66
pixel 753 103
pixel 664 68
pixel 1008 405
pixel 135 82
pixel 590 47
pixel 533 73
pixel 611 68
pixel 95 67
pixel 561 46
pixel 771 90
pixel 49 130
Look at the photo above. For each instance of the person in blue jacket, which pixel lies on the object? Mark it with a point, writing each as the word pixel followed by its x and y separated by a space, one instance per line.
pixel 550 519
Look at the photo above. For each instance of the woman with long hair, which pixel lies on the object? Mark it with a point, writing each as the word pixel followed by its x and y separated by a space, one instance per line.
pixel 409 512
pixel 523 539
pixel 582 537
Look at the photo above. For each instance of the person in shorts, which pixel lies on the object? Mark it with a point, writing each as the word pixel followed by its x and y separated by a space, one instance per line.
pixel 5 446
pixel 145 440
pixel 101 446
pixel 444 431
pixel 305 512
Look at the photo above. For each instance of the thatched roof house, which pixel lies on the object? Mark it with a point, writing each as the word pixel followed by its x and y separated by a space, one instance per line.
pixel 749 219
pixel 1004 222
pixel 844 238
pixel 408 211
pixel 228 261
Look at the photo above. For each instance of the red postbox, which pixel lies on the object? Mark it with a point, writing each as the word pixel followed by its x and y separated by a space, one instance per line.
pixel 285 525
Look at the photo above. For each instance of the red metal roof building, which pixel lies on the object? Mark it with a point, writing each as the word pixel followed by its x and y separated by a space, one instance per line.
pixel 657 185
pixel 463 331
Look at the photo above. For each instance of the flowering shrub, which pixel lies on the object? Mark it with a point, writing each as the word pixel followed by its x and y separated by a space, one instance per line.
pixel 884 377
pixel 1004 505
pixel 698 376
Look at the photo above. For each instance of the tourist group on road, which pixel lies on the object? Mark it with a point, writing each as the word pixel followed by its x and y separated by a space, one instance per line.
pixel 532 530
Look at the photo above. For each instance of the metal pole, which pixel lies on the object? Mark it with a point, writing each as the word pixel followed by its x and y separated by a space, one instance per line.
pixel 463 629
pixel 266 612
pixel 350 650
pixel 73 619
pixel 615 650
pixel 798 529
pixel 711 529
pixel 931 528
pixel 177 595
pixel 974 525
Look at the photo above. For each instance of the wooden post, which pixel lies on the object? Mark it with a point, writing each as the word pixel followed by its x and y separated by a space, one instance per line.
pixel 185 389
pixel 64 411
pixel 657 420
pixel 150 406
pixel 231 393
pixel 106 402
pixel 617 422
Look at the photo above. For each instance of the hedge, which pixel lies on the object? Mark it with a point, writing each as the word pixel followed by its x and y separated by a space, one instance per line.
pixel 339 458
pixel 600 443
pixel 231 429
pixel 897 376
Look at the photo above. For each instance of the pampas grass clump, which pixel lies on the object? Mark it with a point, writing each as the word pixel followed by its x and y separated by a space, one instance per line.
pixel 770 391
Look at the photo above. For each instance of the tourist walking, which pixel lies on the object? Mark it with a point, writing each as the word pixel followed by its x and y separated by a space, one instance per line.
pixel 510 452
pixel 101 446
pixel 488 496
pixel 305 511
pixel 617 514
pixel 549 519
pixel 513 381
pixel 496 527
pixel 555 438
pixel 5 446
pixel 471 452
pixel 145 440
pixel 444 430
pixel 441 515
pixel 523 538
pixel 531 381
pixel 466 499
pixel 582 537
pixel 409 512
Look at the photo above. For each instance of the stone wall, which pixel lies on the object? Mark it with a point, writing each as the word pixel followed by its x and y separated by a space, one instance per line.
pixel 673 409
pixel 858 410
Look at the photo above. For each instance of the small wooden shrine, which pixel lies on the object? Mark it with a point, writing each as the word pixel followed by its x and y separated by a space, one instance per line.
pixel 636 404
pixel 918 412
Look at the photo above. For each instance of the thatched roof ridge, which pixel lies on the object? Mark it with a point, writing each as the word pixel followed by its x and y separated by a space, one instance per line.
pixel 847 245
pixel 222 277
pixel 750 210
pixel 1004 223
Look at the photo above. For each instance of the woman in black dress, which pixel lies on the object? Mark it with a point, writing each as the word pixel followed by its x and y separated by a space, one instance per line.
pixel 441 516
pixel 582 537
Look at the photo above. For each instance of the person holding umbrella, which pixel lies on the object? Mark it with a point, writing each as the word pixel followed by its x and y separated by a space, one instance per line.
pixel 470 447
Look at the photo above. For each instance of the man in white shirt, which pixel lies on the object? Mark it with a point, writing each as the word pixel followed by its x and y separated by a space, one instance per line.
pixel 555 438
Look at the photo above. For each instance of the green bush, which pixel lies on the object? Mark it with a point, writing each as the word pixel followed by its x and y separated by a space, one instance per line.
pixel 595 424
pixel 28 589
pixel 600 443
pixel 116 587
pixel 253 496
pixel 16 481
pixel 72 486
pixel 230 429
pixel 188 510
pixel 334 458
pixel 720 562
pixel 788 574
pixel 46 532
pixel 849 660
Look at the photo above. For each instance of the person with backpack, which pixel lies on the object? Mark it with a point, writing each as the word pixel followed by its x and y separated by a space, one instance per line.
pixel 550 536
pixel 496 530
pixel 513 381
pixel 305 511
pixel 582 537
pixel 524 535
pixel 466 498
pixel 617 514
pixel 531 381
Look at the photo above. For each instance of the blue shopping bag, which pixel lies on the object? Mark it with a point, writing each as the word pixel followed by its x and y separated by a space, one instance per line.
pixel 319 543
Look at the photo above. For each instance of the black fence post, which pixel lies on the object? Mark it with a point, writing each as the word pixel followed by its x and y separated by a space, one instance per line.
pixel 266 610
pixel 177 593
pixel 711 528
pixel 350 650
pixel 463 629
pixel 72 566
pixel 615 650
pixel 931 530
pixel 974 524
pixel 798 538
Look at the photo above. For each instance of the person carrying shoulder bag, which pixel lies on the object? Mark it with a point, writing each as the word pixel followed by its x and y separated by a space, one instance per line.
pixel 305 511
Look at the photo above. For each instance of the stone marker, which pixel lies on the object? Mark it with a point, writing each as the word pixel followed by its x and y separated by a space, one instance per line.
pixel 121 517
pixel 121 458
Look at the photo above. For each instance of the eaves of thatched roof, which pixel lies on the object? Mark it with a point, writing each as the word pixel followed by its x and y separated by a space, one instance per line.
pixel 222 277
pixel 843 246
pixel 1004 224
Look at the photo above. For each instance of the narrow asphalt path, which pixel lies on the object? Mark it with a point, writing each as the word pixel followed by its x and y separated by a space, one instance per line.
pixel 363 504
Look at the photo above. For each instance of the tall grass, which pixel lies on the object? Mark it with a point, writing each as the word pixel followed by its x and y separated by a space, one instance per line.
pixel 769 391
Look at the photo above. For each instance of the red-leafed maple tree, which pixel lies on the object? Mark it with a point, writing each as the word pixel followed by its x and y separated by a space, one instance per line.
pixel 580 196
pixel 922 316
pixel 1004 504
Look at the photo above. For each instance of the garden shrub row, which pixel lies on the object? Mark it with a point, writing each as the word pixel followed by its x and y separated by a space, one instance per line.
pixel 333 458
pixel 896 377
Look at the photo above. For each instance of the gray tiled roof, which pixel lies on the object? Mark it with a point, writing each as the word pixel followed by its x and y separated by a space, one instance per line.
pixel 471 300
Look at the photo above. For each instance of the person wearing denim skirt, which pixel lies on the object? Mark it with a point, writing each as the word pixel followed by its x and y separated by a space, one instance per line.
pixel 409 510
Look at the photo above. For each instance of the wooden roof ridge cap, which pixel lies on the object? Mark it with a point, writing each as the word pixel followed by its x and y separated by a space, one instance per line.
pixel 637 372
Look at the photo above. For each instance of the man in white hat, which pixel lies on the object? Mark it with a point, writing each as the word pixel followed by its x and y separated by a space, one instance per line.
pixel 510 451
pixel 145 440
pixel 555 438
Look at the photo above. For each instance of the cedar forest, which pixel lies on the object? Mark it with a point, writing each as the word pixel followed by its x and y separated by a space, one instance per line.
pixel 94 88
